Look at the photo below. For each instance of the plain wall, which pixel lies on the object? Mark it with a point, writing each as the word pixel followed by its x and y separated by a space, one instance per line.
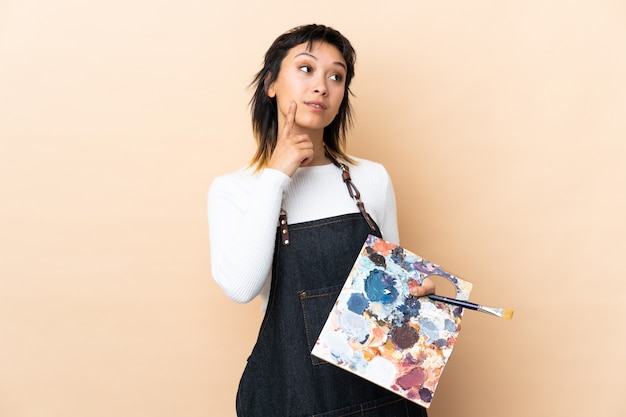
pixel 502 124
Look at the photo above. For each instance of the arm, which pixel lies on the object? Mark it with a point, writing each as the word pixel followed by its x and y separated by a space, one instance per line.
pixel 389 215
pixel 378 195
pixel 243 214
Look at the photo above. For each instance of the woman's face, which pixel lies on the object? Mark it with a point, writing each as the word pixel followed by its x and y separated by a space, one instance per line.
pixel 315 80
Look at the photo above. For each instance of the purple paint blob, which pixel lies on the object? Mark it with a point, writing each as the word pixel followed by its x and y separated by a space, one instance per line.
pixel 410 360
pixel 426 395
pixel 415 377
pixel 404 336
pixel 376 258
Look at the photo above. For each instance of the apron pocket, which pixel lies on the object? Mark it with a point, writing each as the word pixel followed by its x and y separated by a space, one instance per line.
pixel 316 306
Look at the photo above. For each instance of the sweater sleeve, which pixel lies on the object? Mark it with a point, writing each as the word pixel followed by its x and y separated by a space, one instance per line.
pixel 243 213
pixel 378 194
pixel 389 226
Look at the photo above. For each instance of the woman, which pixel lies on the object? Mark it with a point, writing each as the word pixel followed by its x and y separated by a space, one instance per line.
pixel 302 175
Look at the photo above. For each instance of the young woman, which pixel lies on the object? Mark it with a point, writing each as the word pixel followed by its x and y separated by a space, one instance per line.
pixel 290 226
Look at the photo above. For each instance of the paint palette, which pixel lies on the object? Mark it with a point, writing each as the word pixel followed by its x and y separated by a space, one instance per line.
pixel 380 331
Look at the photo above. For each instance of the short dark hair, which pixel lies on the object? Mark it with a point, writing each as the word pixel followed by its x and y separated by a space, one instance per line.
pixel 264 109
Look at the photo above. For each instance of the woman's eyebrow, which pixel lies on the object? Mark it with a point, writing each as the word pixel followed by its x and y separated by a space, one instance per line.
pixel 341 64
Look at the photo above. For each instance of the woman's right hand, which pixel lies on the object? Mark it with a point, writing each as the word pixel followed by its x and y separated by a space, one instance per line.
pixel 292 150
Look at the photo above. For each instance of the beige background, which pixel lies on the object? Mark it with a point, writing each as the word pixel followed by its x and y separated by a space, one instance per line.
pixel 502 124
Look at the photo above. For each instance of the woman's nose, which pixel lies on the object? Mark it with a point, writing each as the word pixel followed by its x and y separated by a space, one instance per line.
pixel 320 87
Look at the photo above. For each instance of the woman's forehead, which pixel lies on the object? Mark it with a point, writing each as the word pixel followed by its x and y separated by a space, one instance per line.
pixel 317 49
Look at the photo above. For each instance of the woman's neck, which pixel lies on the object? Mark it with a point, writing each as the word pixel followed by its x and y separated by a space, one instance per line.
pixel 319 154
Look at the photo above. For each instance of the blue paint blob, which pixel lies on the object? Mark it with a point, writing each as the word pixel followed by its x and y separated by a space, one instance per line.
pixel 358 303
pixel 429 329
pixel 450 326
pixel 441 343
pixel 398 255
pixel 412 305
pixel 379 287
pixel 354 326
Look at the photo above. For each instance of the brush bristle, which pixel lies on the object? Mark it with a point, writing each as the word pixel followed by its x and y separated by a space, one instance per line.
pixel 507 314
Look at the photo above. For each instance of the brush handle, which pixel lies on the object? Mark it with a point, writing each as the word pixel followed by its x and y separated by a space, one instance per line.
pixel 454 301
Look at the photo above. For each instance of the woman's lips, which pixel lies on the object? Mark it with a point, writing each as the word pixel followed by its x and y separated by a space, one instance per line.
pixel 315 105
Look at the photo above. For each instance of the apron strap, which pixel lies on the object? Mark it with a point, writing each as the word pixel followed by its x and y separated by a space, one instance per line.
pixel 352 190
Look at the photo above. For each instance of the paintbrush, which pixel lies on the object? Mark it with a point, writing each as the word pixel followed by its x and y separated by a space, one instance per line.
pixel 505 313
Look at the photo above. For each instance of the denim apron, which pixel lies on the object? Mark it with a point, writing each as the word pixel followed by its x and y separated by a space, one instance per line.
pixel 281 378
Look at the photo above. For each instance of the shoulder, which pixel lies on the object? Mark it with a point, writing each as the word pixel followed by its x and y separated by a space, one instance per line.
pixel 366 164
pixel 241 177
pixel 236 188
pixel 372 179
pixel 367 169
pixel 246 179
pixel 231 185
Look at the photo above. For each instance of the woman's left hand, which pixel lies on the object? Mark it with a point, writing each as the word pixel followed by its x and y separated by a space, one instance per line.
pixel 427 287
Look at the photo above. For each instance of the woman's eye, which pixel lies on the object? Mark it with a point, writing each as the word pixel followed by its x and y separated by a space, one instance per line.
pixel 336 77
pixel 305 68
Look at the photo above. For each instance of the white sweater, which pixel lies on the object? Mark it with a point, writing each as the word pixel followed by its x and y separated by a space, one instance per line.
pixel 243 216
